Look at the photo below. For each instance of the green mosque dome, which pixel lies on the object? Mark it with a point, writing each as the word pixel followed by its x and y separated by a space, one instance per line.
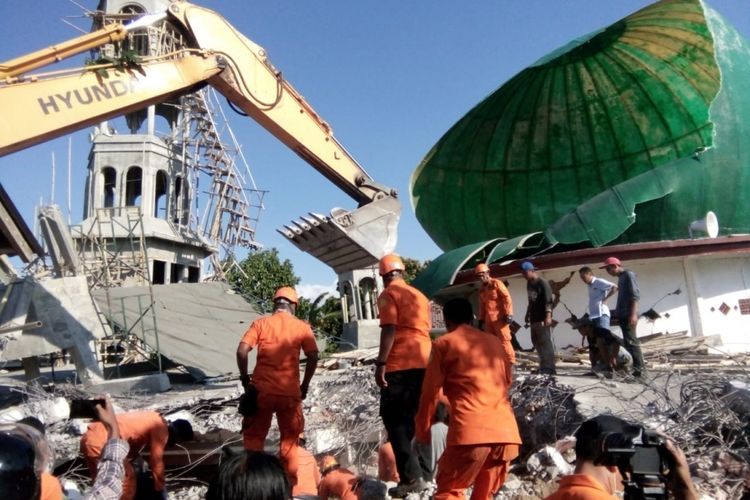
pixel 625 135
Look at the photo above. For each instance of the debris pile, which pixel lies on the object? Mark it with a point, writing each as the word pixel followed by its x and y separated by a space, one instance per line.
pixel 341 412
pixel 708 414
pixel 545 411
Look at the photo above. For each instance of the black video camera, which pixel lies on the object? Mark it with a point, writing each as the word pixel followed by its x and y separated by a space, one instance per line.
pixel 642 459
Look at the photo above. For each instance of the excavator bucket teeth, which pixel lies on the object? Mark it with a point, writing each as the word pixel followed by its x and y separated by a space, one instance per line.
pixel 348 240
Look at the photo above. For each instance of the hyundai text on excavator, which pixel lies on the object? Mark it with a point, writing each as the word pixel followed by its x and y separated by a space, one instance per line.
pixel 38 107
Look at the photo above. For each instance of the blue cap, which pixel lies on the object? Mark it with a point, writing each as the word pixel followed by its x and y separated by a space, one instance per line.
pixel 527 266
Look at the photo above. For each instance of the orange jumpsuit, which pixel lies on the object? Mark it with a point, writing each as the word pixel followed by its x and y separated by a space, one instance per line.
pixel 51 489
pixel 338 483
pixel 580 487
pixel 483 434
pixel 308 474
pixel 387 463
pixel 495 304
pixel 278 338
pixel 407 310
pixel 140 430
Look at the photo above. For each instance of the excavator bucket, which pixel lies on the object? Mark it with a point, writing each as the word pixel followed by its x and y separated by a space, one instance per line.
pixel 348 240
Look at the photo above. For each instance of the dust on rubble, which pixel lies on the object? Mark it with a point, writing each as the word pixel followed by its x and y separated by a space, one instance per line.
pixel 708 414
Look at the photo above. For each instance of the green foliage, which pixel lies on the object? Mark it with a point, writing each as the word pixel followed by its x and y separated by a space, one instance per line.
pixel 127 60
pixel 264 274
pixel 413 267
pixel 324 315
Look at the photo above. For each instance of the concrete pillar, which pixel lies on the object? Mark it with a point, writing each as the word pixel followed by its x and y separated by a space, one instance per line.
pixel 696 324
pixel 31 368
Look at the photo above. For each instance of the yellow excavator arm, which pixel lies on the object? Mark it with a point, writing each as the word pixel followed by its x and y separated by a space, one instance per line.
pixel 38 107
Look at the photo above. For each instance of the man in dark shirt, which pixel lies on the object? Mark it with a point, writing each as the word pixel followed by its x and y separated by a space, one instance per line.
pixel 605 351
pixel 539 316
pixel 626 311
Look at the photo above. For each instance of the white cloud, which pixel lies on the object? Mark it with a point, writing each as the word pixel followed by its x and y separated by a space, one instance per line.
pixel 312 290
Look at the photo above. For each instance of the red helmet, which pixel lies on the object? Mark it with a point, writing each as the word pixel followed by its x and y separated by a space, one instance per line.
pixel 481 268
pixel 288 293
pixel 390 263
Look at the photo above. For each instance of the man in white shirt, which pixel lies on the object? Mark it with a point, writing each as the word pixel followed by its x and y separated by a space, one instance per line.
pixel 599 291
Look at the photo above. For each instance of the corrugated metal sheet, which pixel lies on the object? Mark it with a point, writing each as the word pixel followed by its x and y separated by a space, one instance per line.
pixel 199 324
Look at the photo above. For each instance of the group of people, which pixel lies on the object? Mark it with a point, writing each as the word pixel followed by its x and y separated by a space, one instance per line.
pixel 466 367
pixel 496 316
pixel 469 369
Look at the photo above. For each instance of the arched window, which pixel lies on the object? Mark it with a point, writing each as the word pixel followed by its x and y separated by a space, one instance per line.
pixel 347 302
pixel 177 210
pixel 109 185
pixel 367 297
pixel 160 195
pixel 133 187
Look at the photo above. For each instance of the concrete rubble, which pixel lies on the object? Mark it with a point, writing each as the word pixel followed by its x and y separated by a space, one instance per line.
pixel 707 413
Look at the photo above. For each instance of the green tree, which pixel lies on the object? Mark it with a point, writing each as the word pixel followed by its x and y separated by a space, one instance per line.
pixel 413 267
pixel 263 274
pixel 325 317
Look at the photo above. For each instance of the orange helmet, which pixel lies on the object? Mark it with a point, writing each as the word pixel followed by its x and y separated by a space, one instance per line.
pixel 327 462
pixel 390 263
pixel 288 293
pixel 481 268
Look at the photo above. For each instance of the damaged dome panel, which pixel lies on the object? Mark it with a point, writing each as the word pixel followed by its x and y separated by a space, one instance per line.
pixel 604 109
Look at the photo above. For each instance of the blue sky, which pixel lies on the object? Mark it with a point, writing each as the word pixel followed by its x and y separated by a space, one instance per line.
pixel 389 76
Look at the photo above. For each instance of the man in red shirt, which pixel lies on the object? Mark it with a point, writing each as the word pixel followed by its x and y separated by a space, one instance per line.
pixel 404 349
pixel 276 378
pixel 483 437
pixel 496 312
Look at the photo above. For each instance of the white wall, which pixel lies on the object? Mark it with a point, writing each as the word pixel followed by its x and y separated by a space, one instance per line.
pixel 704 281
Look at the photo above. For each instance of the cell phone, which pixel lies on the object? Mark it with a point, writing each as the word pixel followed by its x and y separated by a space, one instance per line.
pixel 85 408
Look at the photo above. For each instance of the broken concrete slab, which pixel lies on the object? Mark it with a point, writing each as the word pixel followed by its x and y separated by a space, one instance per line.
pixel 144 384
pixel 67 320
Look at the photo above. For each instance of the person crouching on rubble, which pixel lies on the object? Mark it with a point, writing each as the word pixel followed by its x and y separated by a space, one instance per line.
pixel 142 429
pixel 24 453
pixel 594 481
pixel 483 435
pixel 606 352
pixel 404 350
pixel 274 387
pixel 337 481
pixel 308 473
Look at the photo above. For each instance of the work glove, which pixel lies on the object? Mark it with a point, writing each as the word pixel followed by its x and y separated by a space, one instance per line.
pixel 245 381
pixel 303 390
pixel 248 403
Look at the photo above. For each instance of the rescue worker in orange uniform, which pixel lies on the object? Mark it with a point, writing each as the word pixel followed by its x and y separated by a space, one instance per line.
pixel 140 429
pixel 483 435
pixel 496 312
pixel 404 350
pixel 337 482
pixel 308 473
pixel 276 378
